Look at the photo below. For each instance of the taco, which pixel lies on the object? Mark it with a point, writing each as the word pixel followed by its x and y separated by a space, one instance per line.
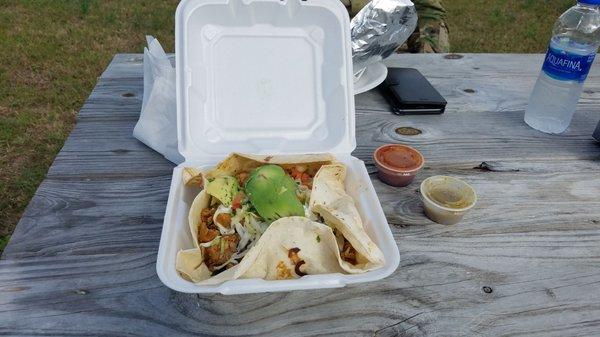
pixel 275 217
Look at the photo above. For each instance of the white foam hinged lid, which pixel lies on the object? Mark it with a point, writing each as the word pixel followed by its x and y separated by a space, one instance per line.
pixel 263 76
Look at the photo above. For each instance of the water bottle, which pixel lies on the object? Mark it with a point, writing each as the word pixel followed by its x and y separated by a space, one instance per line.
pixel 575 40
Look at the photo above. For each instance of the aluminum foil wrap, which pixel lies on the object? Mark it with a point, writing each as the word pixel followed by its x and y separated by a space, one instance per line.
pixel 379 29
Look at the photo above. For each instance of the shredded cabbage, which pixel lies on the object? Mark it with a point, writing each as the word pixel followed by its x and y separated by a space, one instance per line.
pixel 215 241
pixel 248 225
pixel 244 236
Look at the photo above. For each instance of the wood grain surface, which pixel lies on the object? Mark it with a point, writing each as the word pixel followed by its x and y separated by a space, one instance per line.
pixel 525 261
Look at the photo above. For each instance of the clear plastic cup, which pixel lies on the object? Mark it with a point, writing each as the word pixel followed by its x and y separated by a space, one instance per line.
pixel 447 199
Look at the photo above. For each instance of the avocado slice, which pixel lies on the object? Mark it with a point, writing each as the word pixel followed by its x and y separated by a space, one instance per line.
pixel 223 188
pixel 273 193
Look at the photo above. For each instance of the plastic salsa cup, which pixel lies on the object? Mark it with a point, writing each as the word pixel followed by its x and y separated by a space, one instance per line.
pixel 397 164
pixel 447 199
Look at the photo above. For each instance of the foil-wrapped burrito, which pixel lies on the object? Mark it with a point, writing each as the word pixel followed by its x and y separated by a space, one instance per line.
pixel 379 29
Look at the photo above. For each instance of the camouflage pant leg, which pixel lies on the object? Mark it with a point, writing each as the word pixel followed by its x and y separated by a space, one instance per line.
pixel 432 28
pixel 431 34
pixel 354 6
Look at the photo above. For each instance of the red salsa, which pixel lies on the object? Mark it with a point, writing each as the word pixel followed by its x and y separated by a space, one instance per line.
pixel 400 158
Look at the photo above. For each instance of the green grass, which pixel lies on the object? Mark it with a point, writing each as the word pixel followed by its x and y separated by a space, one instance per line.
pixel 502 26
pixel 51 52
pixel 4 241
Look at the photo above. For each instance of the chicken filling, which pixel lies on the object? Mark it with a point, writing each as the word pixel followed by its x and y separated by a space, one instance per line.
pixel 243 205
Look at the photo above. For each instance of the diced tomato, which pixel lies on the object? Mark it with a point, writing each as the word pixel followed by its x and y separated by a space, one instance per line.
pixel 305 178
pixel 237 200
pixel 297 175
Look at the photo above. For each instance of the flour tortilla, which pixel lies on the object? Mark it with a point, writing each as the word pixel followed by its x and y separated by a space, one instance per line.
pixel 237 163
pixel 191 265
pixel 201 202
pixel 317 242
pixel 330 200
pixel 317 248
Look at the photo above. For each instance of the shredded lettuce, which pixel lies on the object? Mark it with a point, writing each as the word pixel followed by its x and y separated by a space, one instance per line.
pixel 244 236
pixel 248 225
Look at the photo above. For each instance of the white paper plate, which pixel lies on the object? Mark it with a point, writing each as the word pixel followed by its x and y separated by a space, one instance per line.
pixel 372 77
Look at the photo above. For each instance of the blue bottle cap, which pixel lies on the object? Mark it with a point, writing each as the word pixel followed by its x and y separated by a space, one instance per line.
pixel 589 2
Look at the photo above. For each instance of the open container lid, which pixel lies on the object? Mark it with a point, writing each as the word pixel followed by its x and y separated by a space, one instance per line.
pixel 263 76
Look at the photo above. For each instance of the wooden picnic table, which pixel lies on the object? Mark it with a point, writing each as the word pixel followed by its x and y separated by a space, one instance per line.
pixel 525 261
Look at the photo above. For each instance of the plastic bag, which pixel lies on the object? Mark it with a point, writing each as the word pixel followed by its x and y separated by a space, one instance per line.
pixel 157 126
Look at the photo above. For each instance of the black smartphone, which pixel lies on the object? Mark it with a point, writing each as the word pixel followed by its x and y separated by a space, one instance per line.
pixel 409 92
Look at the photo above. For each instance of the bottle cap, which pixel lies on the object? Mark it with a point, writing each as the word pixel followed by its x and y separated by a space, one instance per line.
pixel 589 2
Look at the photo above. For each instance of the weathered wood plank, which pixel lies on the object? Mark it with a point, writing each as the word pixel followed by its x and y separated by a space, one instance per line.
pixel 107 147
pixel 503 65
pixel 480 82
pixel 490 95
pixel 125 66
pixel 477 136
pixel 495 89
pixel 125 214
pixel 82 259
pixel 112 215
pixel 102 146
pixel 107 101
pixel 113 98
pixel 439 292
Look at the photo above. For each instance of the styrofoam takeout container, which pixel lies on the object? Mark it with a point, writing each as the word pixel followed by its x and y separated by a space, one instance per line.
pixel 265 77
